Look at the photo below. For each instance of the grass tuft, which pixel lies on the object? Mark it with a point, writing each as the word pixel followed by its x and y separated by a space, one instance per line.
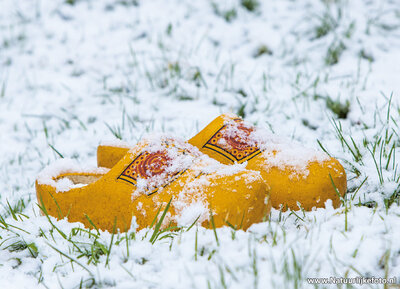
pixel 229 15
pixel 250 5
pixel 263 50
pixel 341 110
pixel 334 53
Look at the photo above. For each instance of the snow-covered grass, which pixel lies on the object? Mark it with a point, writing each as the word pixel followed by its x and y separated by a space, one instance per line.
pixel 77 72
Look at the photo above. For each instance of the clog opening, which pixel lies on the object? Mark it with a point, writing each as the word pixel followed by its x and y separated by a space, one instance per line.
pixel 67 182
pixel 80 179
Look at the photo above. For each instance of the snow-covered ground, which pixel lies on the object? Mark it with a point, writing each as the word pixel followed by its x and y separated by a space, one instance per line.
pixel 325 73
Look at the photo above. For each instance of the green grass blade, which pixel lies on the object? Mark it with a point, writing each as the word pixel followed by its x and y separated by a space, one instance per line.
pixel 159 223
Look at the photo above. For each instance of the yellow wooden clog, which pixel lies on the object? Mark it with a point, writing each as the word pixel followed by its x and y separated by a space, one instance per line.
pixel 145 179
pixel 296 175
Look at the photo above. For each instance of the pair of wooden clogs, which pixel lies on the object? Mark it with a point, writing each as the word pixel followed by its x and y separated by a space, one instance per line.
pixel 229 173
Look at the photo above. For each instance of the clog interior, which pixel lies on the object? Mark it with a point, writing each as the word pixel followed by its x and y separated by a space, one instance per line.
pixel 79 179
